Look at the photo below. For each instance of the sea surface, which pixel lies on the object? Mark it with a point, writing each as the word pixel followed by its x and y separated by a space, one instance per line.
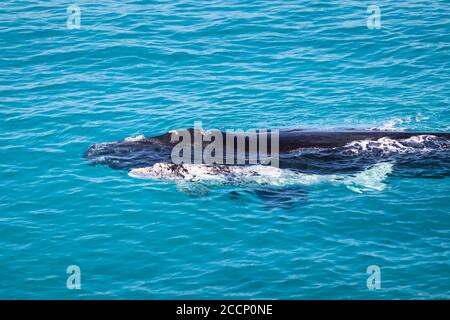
pixel 146 67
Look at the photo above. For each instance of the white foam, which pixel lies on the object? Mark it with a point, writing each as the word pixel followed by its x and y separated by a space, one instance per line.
pixel 421 143
pixel 420 139
pixel 135 138
pixel 391 125
pixel 384 145
pixel 370 179
pixel 419 117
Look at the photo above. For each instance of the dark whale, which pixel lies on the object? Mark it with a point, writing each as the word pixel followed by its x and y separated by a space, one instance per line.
pixel 297 138
pixel 424 154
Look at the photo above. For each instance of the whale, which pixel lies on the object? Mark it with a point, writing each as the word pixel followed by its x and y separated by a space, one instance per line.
pixel 305 150
pixel 359 160
pixel 291 139
pixel 190 177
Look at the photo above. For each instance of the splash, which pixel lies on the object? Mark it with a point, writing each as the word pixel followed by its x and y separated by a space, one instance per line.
pixel 395 124
pixel 392 125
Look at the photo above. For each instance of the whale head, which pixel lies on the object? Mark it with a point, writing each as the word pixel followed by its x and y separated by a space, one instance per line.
pixel 127 154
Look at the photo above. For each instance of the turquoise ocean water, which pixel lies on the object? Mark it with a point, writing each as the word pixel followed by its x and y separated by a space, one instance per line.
pixel 145 67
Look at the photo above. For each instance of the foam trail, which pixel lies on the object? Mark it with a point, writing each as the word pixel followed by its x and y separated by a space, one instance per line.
pixel 371 179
